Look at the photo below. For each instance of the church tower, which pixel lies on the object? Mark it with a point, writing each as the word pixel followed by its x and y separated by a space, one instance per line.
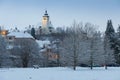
pixel 47 27
pixel 45 20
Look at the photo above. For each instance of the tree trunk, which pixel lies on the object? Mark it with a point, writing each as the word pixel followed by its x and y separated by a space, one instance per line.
pixel 75 57
pixel 91 55
pixel 58 61
pixel 106 67
pixel 91 63
pixel 74 66
pixel 25 62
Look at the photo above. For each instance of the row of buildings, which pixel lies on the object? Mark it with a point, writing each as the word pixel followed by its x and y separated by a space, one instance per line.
pixel 45 28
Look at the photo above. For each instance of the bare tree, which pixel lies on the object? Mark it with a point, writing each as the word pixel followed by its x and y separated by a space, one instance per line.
pixel 4 55
pixel 96 50
pixel 29 51
pixel 82 46
pixel 71 46
pixel 96 47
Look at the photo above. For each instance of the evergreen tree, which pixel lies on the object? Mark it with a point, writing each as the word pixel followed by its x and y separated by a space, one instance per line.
pixel 118 31
pixel 117 46
pixel 110 34
pixel 111 37
pixel 109 28
pixel 33 32
pixel 109 57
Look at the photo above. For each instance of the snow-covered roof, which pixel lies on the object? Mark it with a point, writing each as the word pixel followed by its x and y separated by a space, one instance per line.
pixel 42 43
pixel 20 35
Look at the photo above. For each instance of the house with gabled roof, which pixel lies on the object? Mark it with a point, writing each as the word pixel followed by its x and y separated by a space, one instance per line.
pixel 14 36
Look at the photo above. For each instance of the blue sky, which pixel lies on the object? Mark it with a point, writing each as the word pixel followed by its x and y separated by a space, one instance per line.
pixel 21 13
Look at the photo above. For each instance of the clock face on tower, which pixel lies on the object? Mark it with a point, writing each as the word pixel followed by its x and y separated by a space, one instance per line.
pixel 45 18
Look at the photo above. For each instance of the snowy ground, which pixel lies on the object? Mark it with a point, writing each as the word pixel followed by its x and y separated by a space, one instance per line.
pixel 60 74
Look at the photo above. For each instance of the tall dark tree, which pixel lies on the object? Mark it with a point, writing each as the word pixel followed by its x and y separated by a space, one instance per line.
pixel 33 32
pixel 109 28
pixel 109 57
pixel 110 32
pixel 118 31
pixel 110 35
pixel 117 46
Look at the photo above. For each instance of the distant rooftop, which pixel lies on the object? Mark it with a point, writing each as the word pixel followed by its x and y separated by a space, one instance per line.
pixel 42 43
pixel 20 34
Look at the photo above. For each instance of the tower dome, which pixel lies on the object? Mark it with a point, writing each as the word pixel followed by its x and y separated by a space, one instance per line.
pixel 46 14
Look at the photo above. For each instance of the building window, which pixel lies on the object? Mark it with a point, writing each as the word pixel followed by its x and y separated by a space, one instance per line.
pixel 10 38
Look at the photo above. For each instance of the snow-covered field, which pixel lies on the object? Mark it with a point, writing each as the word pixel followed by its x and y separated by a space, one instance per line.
pixel 60 74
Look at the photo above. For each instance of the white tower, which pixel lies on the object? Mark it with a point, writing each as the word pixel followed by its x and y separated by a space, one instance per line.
pixel 45 20
pixel 46 24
